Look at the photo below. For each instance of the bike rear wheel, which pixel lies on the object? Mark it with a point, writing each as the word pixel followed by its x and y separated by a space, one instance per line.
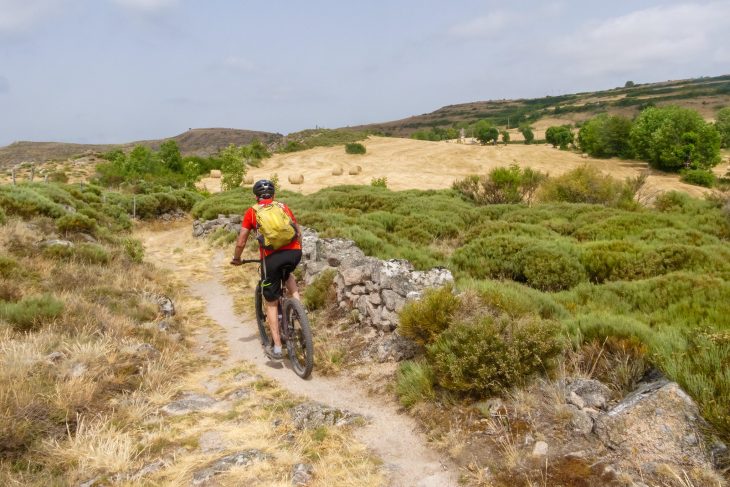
pixel 299 345
pixel 264 332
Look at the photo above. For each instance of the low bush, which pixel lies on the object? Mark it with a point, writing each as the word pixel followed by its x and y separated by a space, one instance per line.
pixel 134 249
pixel 3 218
pixel 355 148
pixel 379 182
pixel 423 320
pixel 23 201
pixel 86 253
pixel 316 293
pixel 586 184
pixel 32 312
pixel 414 383
pixel 699 177
pixel 492 257
pixel 549 267
pixel 502 185
pixel 489 357
pixel 76 223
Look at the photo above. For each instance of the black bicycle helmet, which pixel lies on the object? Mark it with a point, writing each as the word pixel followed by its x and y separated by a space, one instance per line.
pixel 263 189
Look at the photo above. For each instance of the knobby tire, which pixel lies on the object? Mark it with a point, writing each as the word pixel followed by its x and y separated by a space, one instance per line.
pixel 299 345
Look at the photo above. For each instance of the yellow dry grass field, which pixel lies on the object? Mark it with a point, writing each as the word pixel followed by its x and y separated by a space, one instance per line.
pixel 415 164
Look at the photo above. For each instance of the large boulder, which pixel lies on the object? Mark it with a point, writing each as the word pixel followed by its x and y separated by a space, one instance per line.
pixel 656 424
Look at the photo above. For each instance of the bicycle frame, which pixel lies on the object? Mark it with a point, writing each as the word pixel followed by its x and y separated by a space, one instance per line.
pixel 283 319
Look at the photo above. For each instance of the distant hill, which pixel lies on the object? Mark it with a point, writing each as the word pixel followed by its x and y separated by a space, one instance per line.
pixel 202 142
pixel 706 95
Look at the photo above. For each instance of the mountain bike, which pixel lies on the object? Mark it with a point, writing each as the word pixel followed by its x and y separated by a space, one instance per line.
pixel 294 329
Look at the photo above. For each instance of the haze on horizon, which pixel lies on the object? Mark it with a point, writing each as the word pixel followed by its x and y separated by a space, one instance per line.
pixel 122 70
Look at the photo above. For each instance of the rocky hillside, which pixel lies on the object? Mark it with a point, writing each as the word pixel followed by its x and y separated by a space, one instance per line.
pixel 202 142
pixel 706 95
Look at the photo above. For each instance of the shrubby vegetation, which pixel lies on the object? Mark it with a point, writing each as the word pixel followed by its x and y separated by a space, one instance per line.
pixel 722 124
pixel 71 322
pixel 308 139
pixel 699 177
pixel 355 148
pixel 559 136
pixel 436 133
pixel 502 185
pixel 673 138
pixel 606 136
pixel 585 262
pixel 527 133
pixel 485 132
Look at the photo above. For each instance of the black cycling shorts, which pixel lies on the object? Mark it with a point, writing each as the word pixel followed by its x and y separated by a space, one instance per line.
pixel 278 267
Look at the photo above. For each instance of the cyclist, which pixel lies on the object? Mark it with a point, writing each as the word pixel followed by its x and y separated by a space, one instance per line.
pixel 279 263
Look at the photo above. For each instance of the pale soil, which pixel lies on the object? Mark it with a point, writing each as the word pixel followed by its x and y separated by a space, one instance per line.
pixel 415 164
pixel 389 434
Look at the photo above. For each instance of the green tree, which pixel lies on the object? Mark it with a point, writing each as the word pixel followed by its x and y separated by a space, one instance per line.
pixel 527 133
pixel 606 136
pixel 485 132
pixel 170 156
pixel 722 124
pixel 559 136
pixel 139 162
pixel 505 136
pixel 233 166
pixel 673 138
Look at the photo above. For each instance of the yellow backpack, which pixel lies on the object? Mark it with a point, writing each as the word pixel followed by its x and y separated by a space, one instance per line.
pixel 276 229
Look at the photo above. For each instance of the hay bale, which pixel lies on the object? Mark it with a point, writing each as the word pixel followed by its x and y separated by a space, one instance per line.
pixel 248 179
pixel 354 171
pixel 337 171
pixel 584 156
pixel 296 178
pixel 215 173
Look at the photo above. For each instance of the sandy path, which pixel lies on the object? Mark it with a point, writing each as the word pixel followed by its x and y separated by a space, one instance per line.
pixel 390 435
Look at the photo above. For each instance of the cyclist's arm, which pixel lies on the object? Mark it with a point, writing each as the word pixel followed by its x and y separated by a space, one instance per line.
pixel 240 244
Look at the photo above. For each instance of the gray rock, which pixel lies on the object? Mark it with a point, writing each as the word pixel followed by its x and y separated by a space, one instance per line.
pixel 148 469
pixel 242 458
pixel 55 357
pixel 55 242
pixel 580 422
pixel 374 299
pixel 189 402
pixel 358 290
pixel 632 430
pixel 147 351
pixel 393 301
pixel 353 276
pixel 312 415
pixel 594 394
pixel 392 347
pixel 575 400
pixel 211 441
pixel 237 395
pixel 91 482
pixel 540 449
pixel 301 474
pixel 165 304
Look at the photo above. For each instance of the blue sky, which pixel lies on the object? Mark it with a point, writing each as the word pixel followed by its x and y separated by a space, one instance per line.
pixel 122 70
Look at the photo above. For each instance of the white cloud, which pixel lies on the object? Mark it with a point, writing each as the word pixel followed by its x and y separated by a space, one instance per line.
pixel 646 38
pixel 147 6
pixel 19 15
pixel 484 27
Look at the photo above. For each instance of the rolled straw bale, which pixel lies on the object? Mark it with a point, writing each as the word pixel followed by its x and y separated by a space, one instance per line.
pixel 296 178
pixel 337 171
pixel 215 173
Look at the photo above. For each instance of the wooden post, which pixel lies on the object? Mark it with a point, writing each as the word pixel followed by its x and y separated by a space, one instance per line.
pixel 14 169
pixel 134 207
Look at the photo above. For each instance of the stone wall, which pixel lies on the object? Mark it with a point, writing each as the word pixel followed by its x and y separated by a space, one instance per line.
pixel 374 289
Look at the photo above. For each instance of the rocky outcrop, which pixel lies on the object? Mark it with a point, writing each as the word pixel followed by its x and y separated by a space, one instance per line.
pixel 232 223
pixel 375 289
pixel 656 424
pixel 243 458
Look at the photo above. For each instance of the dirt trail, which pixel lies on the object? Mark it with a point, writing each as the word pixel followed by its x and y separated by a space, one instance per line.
pixel 391 436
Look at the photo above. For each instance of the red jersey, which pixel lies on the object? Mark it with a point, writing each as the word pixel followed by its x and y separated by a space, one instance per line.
pixel 249 221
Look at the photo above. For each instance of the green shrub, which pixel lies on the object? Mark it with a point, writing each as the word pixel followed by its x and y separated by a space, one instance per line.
pixel 379 182
pixel 699 177
pixel 613 260
pixel 492 257
pixel 502 185
pixel 548 267
pixel 414 383
pixel 31 313
pixel 87 253
pixel 316 293
pixel 586 184
pixel 423 320
pixel 24 201
pixel 8 265
pixel 559 136
pixel 3 218
pixel 489 357
pixel 58 177
pixel 355 148
pixel 134 249
pixel 514 299
pixel 76 223
pixel 606 136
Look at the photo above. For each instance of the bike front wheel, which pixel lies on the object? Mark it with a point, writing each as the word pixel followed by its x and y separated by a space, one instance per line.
pixel 299 345
pixel 264 332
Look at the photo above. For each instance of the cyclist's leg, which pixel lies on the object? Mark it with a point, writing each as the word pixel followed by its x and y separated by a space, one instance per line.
pixel 291 287
pixel 294 257
pixel 271 287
